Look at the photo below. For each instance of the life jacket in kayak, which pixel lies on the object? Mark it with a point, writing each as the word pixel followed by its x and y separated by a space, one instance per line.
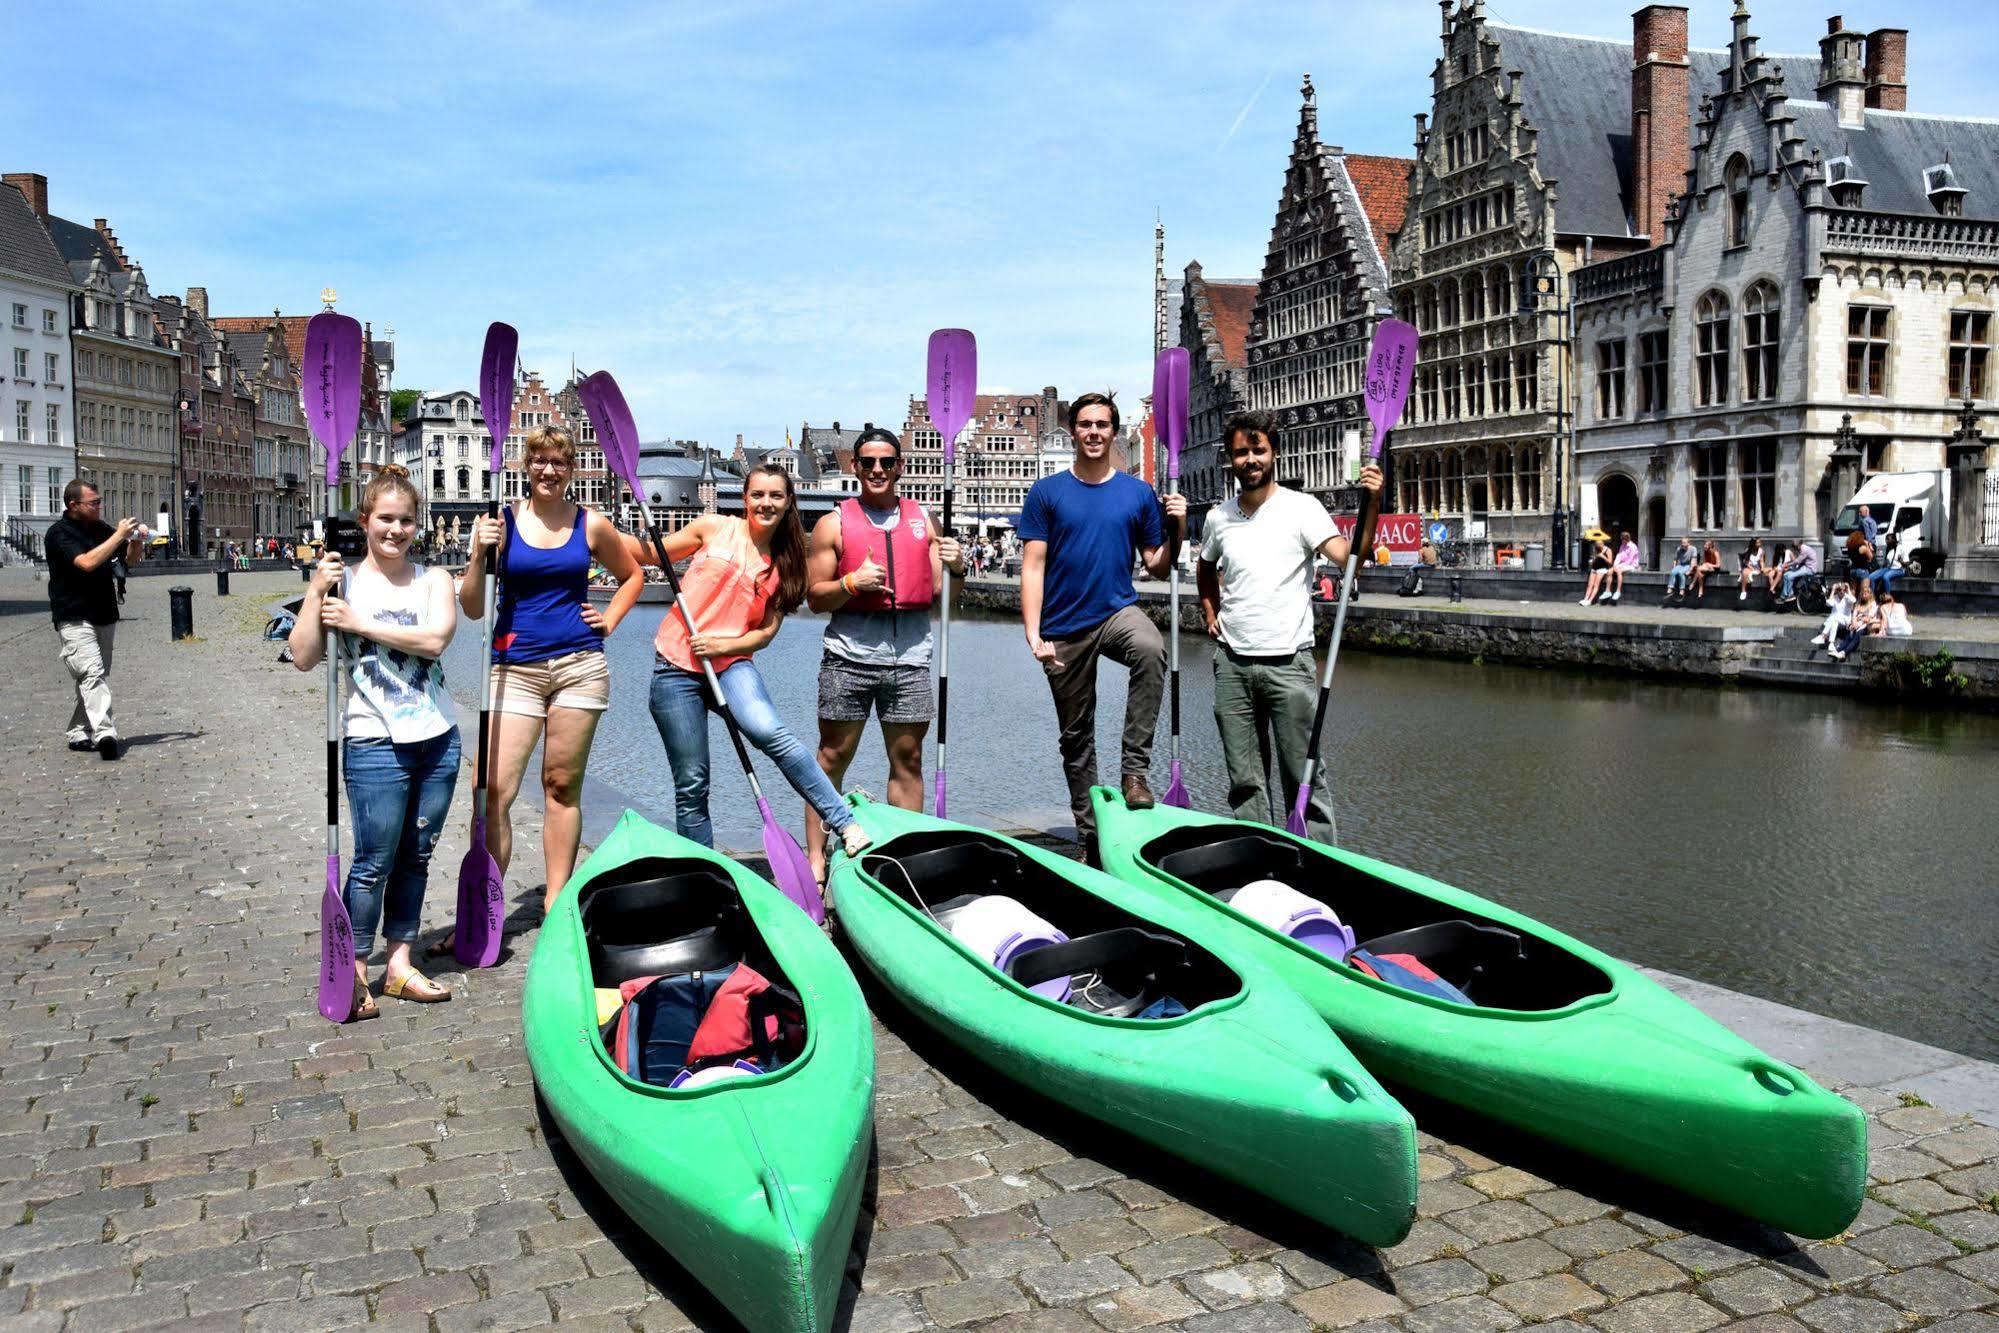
pixel 903 550
pixel 1277 905
pixel 657 1022
pixel 688 1023
pixel 1409 972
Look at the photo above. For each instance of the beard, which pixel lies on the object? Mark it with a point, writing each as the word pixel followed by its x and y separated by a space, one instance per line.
pixel 1249 478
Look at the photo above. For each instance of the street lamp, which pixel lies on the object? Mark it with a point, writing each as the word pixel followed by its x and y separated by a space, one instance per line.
pixel 1541 292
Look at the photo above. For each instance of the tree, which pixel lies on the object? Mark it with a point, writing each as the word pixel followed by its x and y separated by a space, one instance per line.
pixel 400 402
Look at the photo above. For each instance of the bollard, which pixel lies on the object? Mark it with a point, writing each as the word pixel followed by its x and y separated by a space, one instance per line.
pixel 304 574
pixel 180 602
pixel 1457 582
pixel 222 581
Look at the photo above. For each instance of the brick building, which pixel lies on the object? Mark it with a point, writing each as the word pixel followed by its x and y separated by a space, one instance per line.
pixel 1215 315
pixel 1323 288
pixel 37 456
pixel 1822 305
pixel 1009 444
pixel 215 415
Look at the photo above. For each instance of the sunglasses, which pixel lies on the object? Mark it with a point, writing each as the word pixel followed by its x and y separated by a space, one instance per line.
pixel 877 464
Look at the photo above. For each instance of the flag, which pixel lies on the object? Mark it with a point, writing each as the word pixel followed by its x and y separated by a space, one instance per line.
pixel 787 437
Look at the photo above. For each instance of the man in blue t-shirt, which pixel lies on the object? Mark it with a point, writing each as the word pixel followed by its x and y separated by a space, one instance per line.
pixel 1081 528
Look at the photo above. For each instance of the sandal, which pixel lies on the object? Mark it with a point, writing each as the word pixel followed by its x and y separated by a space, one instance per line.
pixel 415 987
pixel 442 948
pixel 364 1003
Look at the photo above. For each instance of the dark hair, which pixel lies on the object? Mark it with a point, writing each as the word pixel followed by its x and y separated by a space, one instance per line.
pixel 1095 400
pixel 74 491
pixel 873 434
pixel 1245 423
pixel 787 539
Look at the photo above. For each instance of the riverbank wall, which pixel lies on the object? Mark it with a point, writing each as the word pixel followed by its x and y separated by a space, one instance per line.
pixel 1721 647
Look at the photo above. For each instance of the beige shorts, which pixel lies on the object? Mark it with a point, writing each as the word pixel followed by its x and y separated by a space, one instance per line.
pixel 574 680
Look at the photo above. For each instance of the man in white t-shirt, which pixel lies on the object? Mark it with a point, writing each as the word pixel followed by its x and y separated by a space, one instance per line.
pixel 1256 596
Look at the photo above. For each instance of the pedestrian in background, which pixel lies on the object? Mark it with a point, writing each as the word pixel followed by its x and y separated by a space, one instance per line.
pixel 1082 527
pixel 1254 577
pixel 1680 577
pixel 1752 566
pixel 399 751
pixel 83 600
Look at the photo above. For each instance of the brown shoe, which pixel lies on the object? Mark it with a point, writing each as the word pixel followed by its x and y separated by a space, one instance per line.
pixel 1137 796
pixel 414 985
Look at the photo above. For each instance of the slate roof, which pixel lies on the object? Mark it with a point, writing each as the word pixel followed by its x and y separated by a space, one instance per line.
pixel 1577 92
pixel 1383 186
pixel 1893 149
pixel 80 244
pixel 25 245
pixel 294 327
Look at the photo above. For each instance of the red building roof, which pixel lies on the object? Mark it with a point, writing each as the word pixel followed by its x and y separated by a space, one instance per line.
pixel 1383 185
pixel 1230 305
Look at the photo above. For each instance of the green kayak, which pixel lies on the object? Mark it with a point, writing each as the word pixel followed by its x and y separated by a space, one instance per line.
pixel 751 1182
pixel 1560 1040
pixel 1125 1021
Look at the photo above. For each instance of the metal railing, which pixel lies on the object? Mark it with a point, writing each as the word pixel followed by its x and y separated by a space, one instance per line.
pixel 1991 534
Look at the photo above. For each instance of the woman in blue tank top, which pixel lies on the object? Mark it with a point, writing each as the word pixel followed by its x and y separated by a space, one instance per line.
pixel 549 673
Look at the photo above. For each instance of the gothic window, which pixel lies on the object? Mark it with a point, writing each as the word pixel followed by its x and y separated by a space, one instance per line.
pixel 1737 177
pixel 1756 461
pixel 1429 320
pixel 1610 379
pixel 1710 486
pixel 1502 479
pixel 1406 489
pixel 1759 342
pixel 1475 387
pixel 1970 345
pixel 1527 379
pixel 1474 298
pixel 1711 319
pixel 1652 353
pixel 1451 310
pixel 1527 467
pixel 1497 286
pixel 1448 375
pixel 1430 483
pixel 1501 379
pixel 1426 392
pixel 1454 482
pixel 1867 350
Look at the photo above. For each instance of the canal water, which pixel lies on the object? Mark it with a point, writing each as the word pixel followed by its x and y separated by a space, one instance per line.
pixel 1825 852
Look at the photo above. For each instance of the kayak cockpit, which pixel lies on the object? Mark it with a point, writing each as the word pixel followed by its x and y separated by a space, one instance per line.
pixel 688 992
pixel 1494 964
pixel 1045 932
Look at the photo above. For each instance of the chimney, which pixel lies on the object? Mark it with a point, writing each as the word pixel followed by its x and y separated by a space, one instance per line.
pixel 1842 75
pixel 197 301
pixel 34 187
pixel 1888 69
pixel 1661 84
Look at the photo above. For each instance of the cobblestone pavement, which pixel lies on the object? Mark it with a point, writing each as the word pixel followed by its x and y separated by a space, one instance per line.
pixel 184 1142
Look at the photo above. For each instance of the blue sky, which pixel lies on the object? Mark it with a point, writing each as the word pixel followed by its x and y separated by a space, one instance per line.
pixel 752 213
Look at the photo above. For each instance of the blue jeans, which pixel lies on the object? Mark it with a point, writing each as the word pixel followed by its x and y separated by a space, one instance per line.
pixel 400 795
pixel 1677 578
pixel 680 708
pixel 1791 576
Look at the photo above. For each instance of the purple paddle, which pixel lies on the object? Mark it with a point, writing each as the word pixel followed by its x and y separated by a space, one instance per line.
pixel 1391 367
pixel 1169 409
pixel 619 436
pixel 330 378
pixel 953 386
pixel 482 889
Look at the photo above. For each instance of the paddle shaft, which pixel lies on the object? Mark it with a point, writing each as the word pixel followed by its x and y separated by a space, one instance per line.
pixel 1363 534
pixel 486 678
pixel 944 652
pixel 1173 635
pixel 707 667
pixel 333 742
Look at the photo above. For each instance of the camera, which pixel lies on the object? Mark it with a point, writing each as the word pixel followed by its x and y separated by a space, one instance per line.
pixel 346 536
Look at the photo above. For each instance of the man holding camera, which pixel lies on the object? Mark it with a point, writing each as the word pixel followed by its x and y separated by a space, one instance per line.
pixel 83 599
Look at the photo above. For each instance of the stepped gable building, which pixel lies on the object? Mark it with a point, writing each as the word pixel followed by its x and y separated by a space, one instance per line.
pixel 370 447
pixel 37 406
pixel 590 482
pixel 289 481
pixel 1324 286
pixel 216 418
pixel 1214 328
pixel 1822 307
pixel 1541 151
pixel 1012 441
pixel 833 447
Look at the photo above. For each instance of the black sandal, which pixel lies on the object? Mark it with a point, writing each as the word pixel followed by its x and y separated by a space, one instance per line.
pixel 441 948
pixel 364 1003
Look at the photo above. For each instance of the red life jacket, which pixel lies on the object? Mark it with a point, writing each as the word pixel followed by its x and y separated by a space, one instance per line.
pixel 904 551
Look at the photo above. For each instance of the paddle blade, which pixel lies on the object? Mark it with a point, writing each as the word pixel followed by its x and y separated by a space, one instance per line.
pixel 1294 823
pixel 336 950
pixel 604 402
pixel 330 381
pixel 1176 790
pixel 482 906
pixel 1170 374
pixel 953 384
pixel 1391 368
pixel 789 869
pixel 496 390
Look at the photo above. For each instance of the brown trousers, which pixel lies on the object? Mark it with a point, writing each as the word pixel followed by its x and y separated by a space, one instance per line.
pixel 1131 640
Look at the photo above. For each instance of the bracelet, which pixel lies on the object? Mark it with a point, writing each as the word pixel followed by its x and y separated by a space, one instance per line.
pixel 847 583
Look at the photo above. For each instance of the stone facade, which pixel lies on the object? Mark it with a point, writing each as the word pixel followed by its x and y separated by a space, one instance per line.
pixel 127 383
pixel 1005 449
pixel 1323 288
pixel 289 482
pixel 37 411
pixel 1828 262
pixel 444 446
pixel 1215 314
pixel 216 416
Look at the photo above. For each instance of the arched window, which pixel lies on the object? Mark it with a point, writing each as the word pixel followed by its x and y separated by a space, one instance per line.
pixel 1527 467
pixel 1474 297
pixel 1760 323
pixel 1502 480
pixel 464 480
pixel 1429 320
pixel 1711 317
pixel 1498 291
pixel 1429 483
pixel 1737 180
pixel 1454 482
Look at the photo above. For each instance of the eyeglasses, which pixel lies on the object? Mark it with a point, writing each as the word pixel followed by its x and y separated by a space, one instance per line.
pixel 548 464
pixel 889 464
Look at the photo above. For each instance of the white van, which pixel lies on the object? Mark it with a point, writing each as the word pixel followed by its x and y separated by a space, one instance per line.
pixel 1913 508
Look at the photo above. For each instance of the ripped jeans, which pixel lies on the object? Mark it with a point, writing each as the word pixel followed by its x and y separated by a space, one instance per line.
pixel 399 795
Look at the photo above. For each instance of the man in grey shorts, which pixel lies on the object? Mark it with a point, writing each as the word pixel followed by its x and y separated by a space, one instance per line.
pixel 876 565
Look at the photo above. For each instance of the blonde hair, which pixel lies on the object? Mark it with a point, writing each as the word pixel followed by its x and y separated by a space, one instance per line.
pixel 389 479
pixel 549 440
